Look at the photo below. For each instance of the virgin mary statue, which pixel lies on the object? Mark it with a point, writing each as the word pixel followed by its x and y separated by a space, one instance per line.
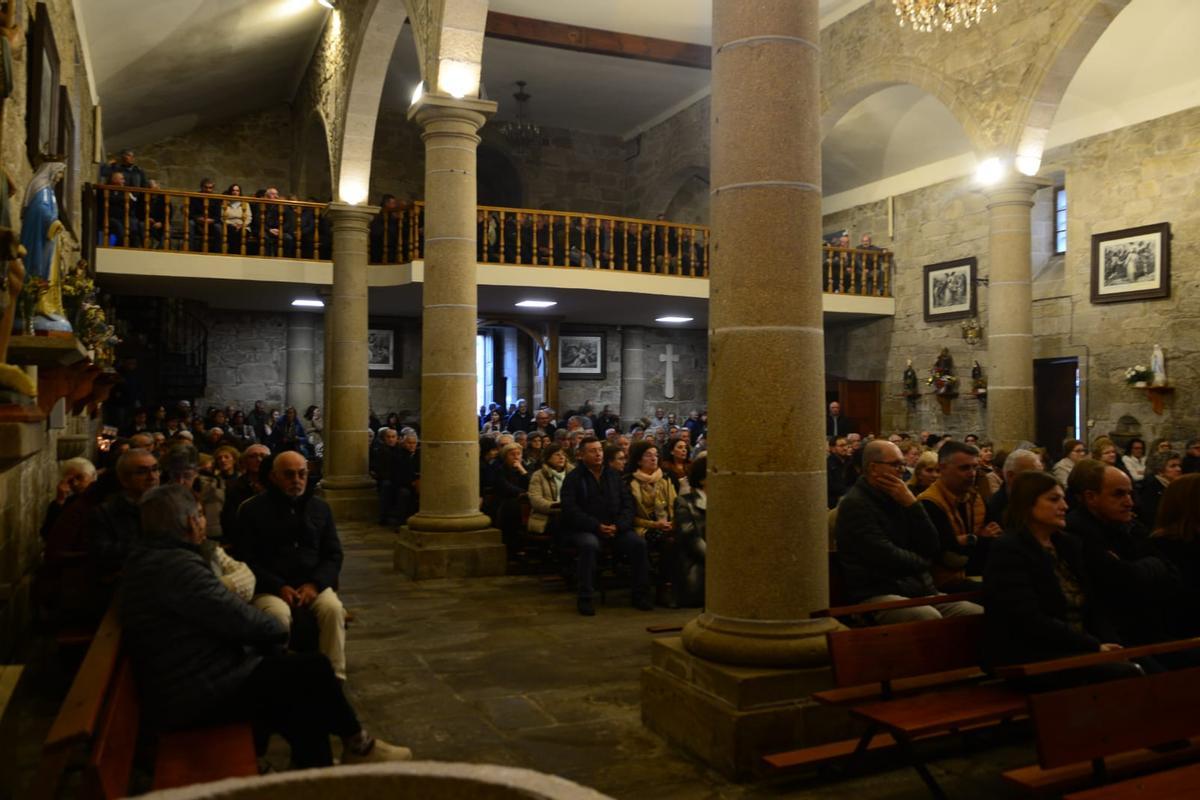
pixel 40 231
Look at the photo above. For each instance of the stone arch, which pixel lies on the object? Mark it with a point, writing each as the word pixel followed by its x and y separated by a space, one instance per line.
pixel 453 33
pixel 498 179
pixel 381 26
pixel 660 197
pixel 1043 89
pixel 838 99
pixel 312 173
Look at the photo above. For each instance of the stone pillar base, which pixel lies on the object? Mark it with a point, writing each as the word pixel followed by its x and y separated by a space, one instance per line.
pixel 730 717
pixel 353 502
pixel 422 555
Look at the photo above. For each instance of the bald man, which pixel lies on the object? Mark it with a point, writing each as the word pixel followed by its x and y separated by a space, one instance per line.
pixel 887 543
pixel 288 538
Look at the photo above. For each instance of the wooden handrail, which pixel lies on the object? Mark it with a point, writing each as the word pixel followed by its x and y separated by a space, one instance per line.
pixel 1092 659
pixel 889 605
pixel 205 195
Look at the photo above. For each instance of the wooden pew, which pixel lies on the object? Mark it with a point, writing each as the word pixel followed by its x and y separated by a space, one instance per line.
pixel 1181 783
pixel 909 682
pixel 862 609
pixel 100 717
pixel 1096 733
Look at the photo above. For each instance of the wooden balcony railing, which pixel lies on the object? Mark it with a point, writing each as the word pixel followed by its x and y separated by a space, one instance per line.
pixel 158 219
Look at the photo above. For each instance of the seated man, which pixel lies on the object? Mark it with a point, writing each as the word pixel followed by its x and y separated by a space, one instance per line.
pixel 114 525
pixel 204 221
pixel 120 212
pixel 960 516
pixel 1130 582
pixel 245 486
pixel 203 656
pixel 597 503
pixel 1018 461
pixel 886 542
pixel 385 462
pixel 290 542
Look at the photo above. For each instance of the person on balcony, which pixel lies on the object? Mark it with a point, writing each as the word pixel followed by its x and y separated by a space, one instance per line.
pixel 280 223
pixel 236 216
pixel 134 175
pixel 117 208
pixel 157 217
pixel 204 219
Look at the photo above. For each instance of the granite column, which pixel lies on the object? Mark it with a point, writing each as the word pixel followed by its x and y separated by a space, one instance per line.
pixel 633 375
pixel 449 536
pixel 738 684
pixel 1010 414
pixel 347 485
pixel 300 367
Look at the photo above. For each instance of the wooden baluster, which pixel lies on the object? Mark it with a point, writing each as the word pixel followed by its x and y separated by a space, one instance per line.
pixel 597 232
pixel 144 239
pixel 874 288
pixel 221 228
pixel 845 287
pixel 702 255
pixel 166 223
pixel 639 247
pixel 128 203
pixel 262 229
pixel 316 234
pixel 187 224
pixel 887 273
pixel 518 223
pixel 501 238
pixel 105 205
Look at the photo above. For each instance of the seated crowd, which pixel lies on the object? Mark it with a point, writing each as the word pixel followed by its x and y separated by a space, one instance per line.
pixel 1098 554
pixel 226 223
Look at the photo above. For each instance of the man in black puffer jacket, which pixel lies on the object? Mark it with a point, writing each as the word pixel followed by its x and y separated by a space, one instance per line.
pixel 291 543
pixel 202 656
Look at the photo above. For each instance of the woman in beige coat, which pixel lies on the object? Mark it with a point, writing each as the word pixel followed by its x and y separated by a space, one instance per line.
pixel 545 486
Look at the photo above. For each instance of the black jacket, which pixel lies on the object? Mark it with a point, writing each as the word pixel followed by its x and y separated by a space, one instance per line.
pixel 1026 609
pixel 1131 582
pixel 289 543
pixel 112 530
pixel 187 634
pixel 587 503
pixel 1183 612
pixel 884 548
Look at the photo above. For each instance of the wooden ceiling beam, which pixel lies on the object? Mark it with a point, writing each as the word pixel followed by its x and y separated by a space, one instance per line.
pixel 599 42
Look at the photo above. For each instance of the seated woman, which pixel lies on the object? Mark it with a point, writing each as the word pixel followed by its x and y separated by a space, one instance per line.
pixel 1134 461
pixel 925 472
pixel 236 216
pixel 288 434
pixel 534 453
pixel 545 488
pixel 1038 594
pixel 1162 469
pixel 1074 451
pixel 509 483
pixel 1176 539
pixel 690 510
pixel 676 463
pixel 653 504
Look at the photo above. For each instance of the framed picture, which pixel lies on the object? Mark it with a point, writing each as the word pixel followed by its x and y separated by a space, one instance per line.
pixel 67 190
pixel 950 290
pixel 383 351
pixel 1133 264
pixel 41 120
pixel 581 355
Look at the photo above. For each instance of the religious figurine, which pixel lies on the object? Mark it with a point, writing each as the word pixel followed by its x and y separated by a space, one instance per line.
pixel 12 278
pixel 1158 366
pixel 978 384
pixel 910 379
pixel 941 377
pixel 40 231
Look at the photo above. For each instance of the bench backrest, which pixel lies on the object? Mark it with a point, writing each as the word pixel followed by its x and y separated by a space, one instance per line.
pixel 1103 719
pixel 889 652
pixel 80 711
pixel 111 760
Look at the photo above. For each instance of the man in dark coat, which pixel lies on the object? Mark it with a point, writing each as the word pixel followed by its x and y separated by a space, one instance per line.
pixel 114 526
pixel 291 543
pixel 201 655
pixel 886 543
pixel 835 423
pixel 597 504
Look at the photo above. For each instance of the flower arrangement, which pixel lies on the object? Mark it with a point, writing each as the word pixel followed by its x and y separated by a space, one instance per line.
pixel 31 292
pixel 1138 375
pixel 96 333
pixel 941 377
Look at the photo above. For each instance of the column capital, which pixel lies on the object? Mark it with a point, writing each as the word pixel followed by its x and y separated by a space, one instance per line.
pixel 344 214
pixel 432 107
pixel 1014 189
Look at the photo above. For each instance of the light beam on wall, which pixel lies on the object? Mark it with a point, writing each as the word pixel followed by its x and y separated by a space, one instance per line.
pixel 458 79
pixel 990 171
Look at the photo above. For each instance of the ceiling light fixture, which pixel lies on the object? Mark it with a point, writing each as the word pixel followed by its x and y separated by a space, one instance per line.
pixel 522 133
pixel 537 303
pixel 673 319
pixel 303 303
pixel 926 15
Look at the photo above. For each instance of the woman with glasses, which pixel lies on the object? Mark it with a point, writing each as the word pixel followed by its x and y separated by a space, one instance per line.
pixel 1074 451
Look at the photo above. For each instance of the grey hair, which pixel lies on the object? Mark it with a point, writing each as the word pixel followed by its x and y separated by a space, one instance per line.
pixel 81 465
pixel 1013 462
pixel 165 511
pixel 125 462
pixel 179 459
pixel 1156 462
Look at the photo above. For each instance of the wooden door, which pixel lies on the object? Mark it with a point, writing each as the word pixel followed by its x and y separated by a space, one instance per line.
pixel 1055 382
pixel 860 402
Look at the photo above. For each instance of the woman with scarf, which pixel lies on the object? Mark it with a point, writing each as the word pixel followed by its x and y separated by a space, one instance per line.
pixel 545 489
pixel 653 504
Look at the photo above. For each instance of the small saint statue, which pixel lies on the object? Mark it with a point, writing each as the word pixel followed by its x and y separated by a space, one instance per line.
pixel 976 372
pixel 910 380
pixel 1158 367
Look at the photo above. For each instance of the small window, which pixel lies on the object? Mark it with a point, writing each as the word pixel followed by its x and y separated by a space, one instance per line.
pixel 1060 220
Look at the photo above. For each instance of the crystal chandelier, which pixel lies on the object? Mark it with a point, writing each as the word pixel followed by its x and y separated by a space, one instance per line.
pixel 925 15
pixel 521 133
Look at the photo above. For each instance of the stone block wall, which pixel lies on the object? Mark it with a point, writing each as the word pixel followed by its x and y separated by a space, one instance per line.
pixel 254 151
pixel 247 359
pixel 664 159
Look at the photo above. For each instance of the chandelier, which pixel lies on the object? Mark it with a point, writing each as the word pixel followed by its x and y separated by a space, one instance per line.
pixel 925 15
pixel 521 133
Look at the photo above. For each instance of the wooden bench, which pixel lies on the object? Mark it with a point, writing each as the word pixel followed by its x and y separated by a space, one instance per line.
pixel 1101 732
pixel 98 726
pixel 1181 783
pixel 909 682
pixel 863 609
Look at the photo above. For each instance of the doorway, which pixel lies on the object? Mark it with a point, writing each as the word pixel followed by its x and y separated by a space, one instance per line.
pixel 1056 401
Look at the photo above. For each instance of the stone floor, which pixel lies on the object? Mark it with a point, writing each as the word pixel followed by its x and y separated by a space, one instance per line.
pixel 504 671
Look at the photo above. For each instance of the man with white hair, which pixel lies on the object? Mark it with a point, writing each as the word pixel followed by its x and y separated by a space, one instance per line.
pixel 203 656
pixel 74 475
pixel 1018 461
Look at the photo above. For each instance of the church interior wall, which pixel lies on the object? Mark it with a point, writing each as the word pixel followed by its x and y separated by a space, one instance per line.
pixel 26 488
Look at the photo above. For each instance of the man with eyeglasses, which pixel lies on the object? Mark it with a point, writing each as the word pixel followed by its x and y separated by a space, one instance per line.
pixel 887 543
pixel 289 539
pixel 115 524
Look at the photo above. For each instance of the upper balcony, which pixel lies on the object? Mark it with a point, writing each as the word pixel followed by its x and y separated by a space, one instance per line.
pixel 600 268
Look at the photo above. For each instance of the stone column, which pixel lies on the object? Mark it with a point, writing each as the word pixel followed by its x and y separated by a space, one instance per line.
pixel 633 374
pixel 300 367
pixel 1010 415
pixel 347 484
pixel 449 536
pixel 738 684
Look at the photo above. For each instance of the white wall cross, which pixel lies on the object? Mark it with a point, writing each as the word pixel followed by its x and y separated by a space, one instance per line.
pixel 670 358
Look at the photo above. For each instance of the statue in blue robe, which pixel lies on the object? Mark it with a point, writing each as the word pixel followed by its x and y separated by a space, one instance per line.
pixel 40 231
